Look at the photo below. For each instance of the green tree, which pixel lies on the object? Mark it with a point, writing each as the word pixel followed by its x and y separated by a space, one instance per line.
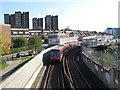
pixel 36 43
pixel 43 36
pixel 19 42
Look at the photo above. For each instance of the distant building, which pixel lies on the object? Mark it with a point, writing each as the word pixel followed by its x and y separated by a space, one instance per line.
pixel 37 23
pixel 97 40
pixel 17 32
pixel 51 22
pixel 54 22
pixel 5 38
pixel 48 24
pixel 12 20
pixel 6 19
pixel 38 32
pixel 25 19
pixel 17 20
pixel 113 31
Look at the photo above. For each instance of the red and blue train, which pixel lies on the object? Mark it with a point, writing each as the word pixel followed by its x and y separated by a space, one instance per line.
pixel 57 53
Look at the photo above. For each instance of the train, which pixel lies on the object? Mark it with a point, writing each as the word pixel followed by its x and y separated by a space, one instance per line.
pixel 56 54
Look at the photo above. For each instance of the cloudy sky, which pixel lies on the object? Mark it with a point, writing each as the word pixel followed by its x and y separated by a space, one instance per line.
pixel 77 14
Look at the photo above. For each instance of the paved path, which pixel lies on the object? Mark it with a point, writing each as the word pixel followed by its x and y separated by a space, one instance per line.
pixel 14 54
pixel 12 64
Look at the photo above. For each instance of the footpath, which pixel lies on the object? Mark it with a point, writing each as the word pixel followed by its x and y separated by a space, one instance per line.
pixel 6 71
pixel 11 65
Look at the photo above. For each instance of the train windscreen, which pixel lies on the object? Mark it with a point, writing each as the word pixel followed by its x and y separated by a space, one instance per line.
pixel 55 53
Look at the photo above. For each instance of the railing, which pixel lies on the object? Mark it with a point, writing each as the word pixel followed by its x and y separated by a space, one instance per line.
pixel 106 60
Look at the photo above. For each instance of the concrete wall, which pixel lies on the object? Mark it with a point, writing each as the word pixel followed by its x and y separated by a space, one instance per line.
pixel 110 77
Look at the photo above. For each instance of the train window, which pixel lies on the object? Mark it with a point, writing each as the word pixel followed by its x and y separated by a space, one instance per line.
pixel 55 53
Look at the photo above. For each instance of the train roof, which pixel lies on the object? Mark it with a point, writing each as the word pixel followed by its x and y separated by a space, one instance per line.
pixel 58 47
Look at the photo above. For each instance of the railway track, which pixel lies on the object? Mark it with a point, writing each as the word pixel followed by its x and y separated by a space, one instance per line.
pixel 67 75
pixel 53 77
pixel 73 73
pixel 70 74
pixel 79 73
pixel 92 79
pixel 80 80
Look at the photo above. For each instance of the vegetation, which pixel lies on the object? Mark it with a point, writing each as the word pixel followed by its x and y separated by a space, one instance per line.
pixel 26 59
pixel 46 40
pixel 115 47
pixel 36 43
pixel 15 50
pixel 22 44
pixel 3 64
pixel 43 36
pixel 23 62
pixel 19 42
pixel 4 46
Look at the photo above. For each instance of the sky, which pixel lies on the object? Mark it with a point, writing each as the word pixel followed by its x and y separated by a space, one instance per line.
pixel 90 15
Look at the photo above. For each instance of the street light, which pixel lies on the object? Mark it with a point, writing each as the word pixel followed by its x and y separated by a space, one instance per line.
pixel 12 51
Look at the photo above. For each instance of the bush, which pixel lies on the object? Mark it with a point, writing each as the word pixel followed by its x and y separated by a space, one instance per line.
pixel 2 61
pixel 19 42
pixel 35 42
pixel 16 50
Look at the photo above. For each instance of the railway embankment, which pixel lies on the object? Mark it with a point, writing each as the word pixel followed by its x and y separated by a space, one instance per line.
pixel 107 69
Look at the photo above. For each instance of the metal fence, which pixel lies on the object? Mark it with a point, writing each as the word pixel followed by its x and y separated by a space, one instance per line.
pixel 106 60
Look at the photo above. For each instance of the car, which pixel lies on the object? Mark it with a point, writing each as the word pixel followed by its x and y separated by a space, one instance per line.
pixel 30 53
pixel 20 54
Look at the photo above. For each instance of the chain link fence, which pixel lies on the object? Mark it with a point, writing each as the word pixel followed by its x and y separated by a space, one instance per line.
pixel 104 59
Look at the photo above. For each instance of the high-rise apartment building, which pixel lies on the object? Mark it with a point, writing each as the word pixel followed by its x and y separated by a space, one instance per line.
pixel 40 23
pixel 34 21
pixel 12 20
pixel 6 19
pixel 17 20
pixel 48 23
pixel 25 19
pixel 55 22
pixel 51 22
pixel 37 23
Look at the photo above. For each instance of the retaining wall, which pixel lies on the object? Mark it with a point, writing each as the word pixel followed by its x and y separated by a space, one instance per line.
pixel 110 77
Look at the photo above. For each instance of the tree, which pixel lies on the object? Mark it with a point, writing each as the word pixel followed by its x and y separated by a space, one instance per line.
pixel 19 42
pixel 4 46
pixel 43 36
pixel 36 43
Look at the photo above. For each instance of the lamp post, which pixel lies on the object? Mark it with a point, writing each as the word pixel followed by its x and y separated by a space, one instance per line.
pixel 12 51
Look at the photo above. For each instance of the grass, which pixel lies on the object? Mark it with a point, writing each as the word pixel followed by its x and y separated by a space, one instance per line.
pixel 2 66
pixel 22 62
pixel 26 59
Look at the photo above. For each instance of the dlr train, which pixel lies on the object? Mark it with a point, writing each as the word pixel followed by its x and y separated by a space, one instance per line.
pixel 57 53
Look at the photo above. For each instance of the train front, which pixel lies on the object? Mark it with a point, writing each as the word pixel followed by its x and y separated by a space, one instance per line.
pixel 55 55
